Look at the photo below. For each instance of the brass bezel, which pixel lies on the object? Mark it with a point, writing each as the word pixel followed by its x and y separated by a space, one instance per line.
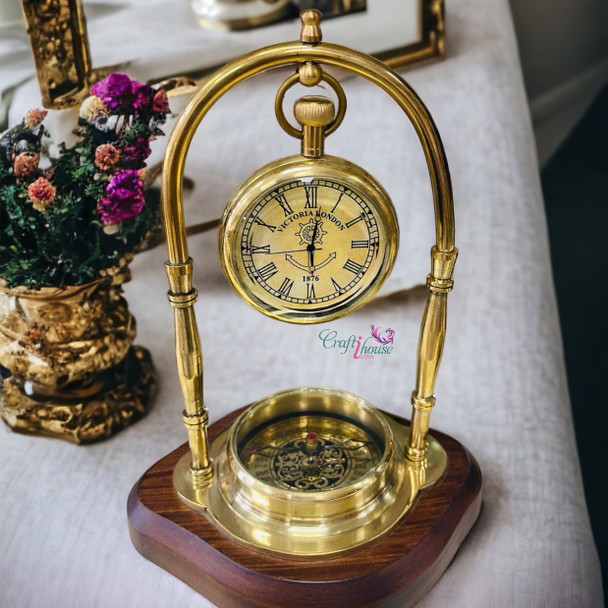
pixel 288 169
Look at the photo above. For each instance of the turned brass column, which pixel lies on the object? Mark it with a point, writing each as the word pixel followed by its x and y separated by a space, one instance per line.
pixel 430 350
pixel 189 355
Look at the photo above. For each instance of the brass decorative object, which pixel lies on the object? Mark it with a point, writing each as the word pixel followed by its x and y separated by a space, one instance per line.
pixel 70 368
pixel 58 35
pixel 309 473
pixel 247 14
pixel 430 46
pixel 239 14
pixel 325 261
pixel 303 480
pixel 71 223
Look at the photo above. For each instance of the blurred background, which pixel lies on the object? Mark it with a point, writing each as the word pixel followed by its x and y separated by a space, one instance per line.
pixel 563 46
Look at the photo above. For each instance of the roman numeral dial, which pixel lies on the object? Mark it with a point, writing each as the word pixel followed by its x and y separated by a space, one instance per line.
pixel 312 199
pixel 307 248
pixel 284 205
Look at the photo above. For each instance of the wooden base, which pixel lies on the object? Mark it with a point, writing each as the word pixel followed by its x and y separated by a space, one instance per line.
pixel 395 572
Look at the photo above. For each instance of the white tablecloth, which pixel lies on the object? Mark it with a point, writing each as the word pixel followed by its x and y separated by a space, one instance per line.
pixel 501 391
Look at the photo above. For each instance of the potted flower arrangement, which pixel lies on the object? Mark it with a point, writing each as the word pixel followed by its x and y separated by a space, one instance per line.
pixel 71 218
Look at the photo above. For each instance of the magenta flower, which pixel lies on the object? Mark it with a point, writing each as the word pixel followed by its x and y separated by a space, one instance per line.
pixel 114 91
pixel 120 93
pixel 144 95
pixel 124 198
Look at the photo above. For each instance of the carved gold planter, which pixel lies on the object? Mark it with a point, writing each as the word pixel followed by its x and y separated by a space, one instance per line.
pixel 68 364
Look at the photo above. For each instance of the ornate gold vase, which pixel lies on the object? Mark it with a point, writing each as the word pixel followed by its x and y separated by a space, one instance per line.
pixel 68 364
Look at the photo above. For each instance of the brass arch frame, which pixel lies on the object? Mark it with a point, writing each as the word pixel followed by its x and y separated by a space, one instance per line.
pixel 182 294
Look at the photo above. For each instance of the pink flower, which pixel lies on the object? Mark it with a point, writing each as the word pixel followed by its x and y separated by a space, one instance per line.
pixel 161 102
pixel 33 118
pixel 25 164
pixel 42 193
pixel 106 156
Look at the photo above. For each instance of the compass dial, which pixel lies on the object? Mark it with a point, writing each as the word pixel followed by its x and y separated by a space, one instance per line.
pixel 308 240
pixel 311 452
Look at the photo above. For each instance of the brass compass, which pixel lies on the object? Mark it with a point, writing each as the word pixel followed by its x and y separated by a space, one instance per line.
pixel 308 473
pixel 311 451
pixel 272 506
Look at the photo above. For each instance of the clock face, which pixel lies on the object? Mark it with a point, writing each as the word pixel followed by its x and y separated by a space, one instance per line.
pixel 309 243
pixel 310 452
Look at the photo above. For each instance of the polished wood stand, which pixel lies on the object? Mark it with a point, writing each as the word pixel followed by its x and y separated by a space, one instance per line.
pixel 394 572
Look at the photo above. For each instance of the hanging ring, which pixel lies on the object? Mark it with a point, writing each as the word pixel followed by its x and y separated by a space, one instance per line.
pixel 301 77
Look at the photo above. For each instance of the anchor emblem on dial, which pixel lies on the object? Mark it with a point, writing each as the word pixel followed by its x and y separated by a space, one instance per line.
pixel 311 234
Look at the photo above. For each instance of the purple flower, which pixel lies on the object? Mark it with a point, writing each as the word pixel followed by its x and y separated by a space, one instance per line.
pixel 144 95
pixel 114 91
pixel 138 152
pixel 124 198
pixel 120 93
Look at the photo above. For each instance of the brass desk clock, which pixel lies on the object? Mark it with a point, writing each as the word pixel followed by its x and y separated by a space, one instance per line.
pixel 309 497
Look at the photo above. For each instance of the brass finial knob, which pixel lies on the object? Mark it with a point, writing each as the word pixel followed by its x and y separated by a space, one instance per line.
pixel 314 111
pixel 311 30
pixel 315 114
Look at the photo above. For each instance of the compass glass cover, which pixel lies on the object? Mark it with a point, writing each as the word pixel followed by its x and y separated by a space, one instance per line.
pixel 310 452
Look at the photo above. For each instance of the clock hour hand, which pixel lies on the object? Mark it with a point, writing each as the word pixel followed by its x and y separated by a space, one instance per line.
pixel 311 248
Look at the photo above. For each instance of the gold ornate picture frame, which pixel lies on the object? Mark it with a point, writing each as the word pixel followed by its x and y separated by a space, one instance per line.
pixel 431 43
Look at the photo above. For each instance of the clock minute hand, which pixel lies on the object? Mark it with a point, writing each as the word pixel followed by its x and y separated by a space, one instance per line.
pixel 284 251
